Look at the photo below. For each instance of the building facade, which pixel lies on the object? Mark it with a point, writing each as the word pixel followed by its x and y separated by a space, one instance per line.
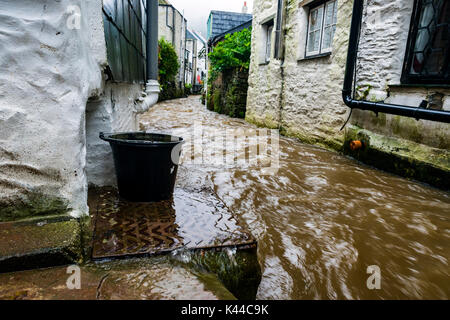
pixel 74 85
pixel 173 28
pixel 299 53
pixel 196 61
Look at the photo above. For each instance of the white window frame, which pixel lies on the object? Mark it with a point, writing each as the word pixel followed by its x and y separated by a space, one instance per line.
pixel 268 51
pixel 320 50
pixel 266 44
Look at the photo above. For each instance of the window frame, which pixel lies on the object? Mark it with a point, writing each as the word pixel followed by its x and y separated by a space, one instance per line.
pixel 169 22
pixel 265 51
pixel 268 46
pixel 312 8
pixel 407 77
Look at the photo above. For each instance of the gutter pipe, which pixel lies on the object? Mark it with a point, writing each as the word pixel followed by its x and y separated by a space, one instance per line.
pixel 278 30
pixel 418 113
pixel 151 94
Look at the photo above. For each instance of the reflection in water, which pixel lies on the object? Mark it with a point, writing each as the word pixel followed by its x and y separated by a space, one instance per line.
pixel 324 218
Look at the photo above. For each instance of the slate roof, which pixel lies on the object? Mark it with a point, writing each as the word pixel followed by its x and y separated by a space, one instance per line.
pixel 223 21
pixel 220 37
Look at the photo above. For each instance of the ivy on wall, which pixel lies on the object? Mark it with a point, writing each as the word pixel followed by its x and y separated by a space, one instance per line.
pixel 232 53
pixel 228 75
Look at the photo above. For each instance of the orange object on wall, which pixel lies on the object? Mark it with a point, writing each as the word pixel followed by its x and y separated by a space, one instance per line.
pixel 356 145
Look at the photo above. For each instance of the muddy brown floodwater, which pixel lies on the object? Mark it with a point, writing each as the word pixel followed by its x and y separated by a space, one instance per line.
pixel 323 218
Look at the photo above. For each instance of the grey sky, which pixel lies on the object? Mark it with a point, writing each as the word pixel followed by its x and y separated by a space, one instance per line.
pixel 197 11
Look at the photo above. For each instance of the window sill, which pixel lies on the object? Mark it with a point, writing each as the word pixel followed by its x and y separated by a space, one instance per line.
pixel 407 85
pixel 264 63
pixel 316 56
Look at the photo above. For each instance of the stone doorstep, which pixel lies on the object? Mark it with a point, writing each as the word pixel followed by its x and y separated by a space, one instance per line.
pixel 148 279
pixel 39 243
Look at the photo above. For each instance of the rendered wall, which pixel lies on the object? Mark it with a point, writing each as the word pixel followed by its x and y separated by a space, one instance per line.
pixel 47 73
pixel 114 111
pixel 303 97
pixel 381 54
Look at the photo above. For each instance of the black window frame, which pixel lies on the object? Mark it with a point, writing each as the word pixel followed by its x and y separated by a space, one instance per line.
pixel 418 79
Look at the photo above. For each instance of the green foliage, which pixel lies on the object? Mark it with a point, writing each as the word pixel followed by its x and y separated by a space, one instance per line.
pixel 168 62
pixel 168 68
pixel 231 53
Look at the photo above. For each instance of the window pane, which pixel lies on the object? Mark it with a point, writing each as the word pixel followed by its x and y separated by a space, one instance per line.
pixel 269 42
pixel 430 54
pixel 315 29
pixel 327 37
pixel 329 12
pixel 316 19
pixel 329 25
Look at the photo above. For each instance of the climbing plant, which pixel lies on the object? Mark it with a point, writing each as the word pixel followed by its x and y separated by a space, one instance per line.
pixel 231 53
pixel 228 74
pixel 168 68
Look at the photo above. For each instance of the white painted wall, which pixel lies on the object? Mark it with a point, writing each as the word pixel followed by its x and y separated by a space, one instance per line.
pixel 307 104
pixel 382 48
pixel 114 111
pixel 47 74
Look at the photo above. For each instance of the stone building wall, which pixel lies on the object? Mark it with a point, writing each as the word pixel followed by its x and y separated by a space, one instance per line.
pixel 302 96
pixel 228 93
pixel 176 37
pixel 54 101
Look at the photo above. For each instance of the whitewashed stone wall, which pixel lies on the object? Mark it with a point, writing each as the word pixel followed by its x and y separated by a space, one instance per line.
pixel 303 97
pixel 177 37
pixel 114 111
pixel 53 104
pixel 47 73
pixel 382 50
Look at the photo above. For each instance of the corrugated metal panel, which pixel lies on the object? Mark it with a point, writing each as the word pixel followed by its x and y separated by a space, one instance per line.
pixel 125 25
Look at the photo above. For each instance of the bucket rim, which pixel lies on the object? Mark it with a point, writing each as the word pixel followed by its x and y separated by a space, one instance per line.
pixel 109 137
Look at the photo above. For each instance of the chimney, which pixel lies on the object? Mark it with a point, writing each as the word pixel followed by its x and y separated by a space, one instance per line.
pixel 245 8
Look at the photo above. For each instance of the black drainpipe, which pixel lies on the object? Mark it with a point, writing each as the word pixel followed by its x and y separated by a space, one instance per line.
pixel 278 30
pixel 419 112
pixel 152 39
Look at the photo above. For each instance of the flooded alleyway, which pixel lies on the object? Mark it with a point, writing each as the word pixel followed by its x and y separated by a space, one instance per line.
pixel 323 218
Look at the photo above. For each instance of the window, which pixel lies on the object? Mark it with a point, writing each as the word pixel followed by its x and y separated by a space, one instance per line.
pixel 428 49
pixel 169 16
pixel 321 28
pixel 269 42
pixel 267 30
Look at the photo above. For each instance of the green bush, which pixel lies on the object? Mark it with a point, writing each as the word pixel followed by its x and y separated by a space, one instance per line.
pixel 230 60
pixel 168 68
pixel 232 53
pixel 188 88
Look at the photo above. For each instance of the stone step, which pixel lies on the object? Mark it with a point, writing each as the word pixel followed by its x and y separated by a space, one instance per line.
pixel 39 243
pixel 148 279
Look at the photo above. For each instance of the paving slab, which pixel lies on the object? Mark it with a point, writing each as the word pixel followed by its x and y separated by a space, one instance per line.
pixel 142 279
pixel 39 243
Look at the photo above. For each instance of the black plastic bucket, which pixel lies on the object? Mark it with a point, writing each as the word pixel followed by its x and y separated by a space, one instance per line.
pixel 146 164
